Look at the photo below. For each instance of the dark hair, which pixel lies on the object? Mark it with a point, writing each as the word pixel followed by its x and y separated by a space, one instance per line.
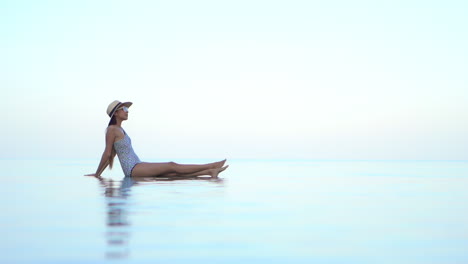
pixel 113 121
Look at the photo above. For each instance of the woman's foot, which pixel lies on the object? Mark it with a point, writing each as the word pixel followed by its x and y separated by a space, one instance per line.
pixel 219 164
pixel 223 168
pixel 214 172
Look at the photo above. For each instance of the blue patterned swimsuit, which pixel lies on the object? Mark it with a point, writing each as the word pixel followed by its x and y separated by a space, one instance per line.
pixel 128 158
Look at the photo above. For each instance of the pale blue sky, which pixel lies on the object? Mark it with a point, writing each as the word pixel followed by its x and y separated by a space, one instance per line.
pixel 237 79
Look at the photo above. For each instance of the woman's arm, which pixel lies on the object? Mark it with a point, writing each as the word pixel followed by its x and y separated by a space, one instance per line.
pixel 106 155
pixel 103 164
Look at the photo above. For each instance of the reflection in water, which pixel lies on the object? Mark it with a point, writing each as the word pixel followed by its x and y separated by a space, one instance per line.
pixel 117 195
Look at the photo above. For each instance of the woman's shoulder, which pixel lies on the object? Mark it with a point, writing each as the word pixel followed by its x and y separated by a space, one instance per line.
pixel 114 129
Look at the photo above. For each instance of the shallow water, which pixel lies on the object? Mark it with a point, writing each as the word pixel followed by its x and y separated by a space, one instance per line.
pixel 259 212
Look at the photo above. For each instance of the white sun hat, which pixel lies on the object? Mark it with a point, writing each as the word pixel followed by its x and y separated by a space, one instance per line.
pixel 116 105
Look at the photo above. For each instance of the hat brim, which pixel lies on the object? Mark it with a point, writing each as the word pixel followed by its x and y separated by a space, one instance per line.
pixel 127 104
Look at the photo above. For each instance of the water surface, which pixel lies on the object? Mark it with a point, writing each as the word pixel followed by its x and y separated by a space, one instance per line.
pixel 259 212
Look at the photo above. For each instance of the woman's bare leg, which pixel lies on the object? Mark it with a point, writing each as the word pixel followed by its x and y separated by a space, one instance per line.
pixel 213 173
pixel 210 172
pixel 145 169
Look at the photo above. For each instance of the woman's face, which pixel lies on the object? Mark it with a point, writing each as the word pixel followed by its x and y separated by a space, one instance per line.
pixel 122 113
